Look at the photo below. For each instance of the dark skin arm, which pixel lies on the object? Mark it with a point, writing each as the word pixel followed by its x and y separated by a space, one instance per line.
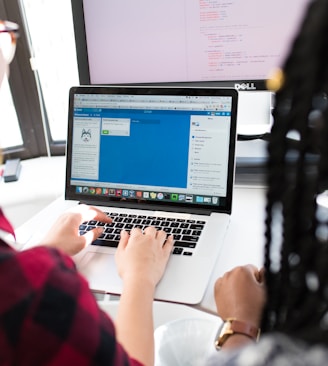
pixel 240 294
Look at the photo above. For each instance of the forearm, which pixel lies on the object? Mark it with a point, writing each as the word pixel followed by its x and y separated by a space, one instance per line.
pixel 134 324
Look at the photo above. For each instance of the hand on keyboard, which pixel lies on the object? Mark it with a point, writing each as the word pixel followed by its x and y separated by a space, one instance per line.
pixel 142 256
pixel 185 232
pixel 65 235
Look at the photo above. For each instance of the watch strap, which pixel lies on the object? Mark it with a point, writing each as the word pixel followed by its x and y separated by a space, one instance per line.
pixel 249 330
pixel 233 326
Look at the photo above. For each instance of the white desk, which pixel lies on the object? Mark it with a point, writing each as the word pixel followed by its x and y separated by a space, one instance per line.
pixel 41 181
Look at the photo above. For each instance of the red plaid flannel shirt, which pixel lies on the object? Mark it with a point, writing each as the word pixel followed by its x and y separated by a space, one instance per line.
pixel 48 316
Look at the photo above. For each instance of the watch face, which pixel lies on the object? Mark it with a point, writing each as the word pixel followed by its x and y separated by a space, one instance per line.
pixel 226 328
pixel 223 334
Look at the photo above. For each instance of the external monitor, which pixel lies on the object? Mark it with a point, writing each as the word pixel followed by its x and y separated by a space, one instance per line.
pixel 201 43
pixel 231 43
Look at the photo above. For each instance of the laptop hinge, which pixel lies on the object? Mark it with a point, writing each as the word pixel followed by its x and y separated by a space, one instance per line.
pixel 173 214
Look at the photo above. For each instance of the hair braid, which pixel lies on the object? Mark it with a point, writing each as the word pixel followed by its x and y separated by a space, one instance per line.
pixel 296 226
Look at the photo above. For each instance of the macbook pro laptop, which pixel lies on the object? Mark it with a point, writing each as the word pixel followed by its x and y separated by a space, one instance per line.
pixel 153 156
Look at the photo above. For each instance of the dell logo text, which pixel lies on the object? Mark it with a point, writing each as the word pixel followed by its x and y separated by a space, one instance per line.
pixel 245 86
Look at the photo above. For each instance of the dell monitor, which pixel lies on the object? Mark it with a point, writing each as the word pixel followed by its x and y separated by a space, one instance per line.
pixel 198 43
pixel 225 43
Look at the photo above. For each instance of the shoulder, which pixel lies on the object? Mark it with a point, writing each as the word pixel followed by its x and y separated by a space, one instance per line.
pixel 32 269
pixel 51 315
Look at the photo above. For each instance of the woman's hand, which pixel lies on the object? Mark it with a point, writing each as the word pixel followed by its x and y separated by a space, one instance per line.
pixel 141 259
pixel 64 234
pixel 142 256
pixel 240 294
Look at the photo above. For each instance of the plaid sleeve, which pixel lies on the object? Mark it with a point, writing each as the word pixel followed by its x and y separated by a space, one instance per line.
pixel 49 316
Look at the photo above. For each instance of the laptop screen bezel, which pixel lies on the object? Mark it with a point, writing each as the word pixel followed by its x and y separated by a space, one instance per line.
pixel 70 191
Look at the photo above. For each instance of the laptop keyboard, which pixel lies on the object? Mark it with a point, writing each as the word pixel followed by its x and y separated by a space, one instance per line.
pixel 185 232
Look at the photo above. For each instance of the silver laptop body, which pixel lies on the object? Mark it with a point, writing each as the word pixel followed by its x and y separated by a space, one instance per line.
pixel 162 154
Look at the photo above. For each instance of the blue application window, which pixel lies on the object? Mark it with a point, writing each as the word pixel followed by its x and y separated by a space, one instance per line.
pixel 153 153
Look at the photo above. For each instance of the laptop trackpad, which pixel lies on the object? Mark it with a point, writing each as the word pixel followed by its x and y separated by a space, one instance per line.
pixel 100 271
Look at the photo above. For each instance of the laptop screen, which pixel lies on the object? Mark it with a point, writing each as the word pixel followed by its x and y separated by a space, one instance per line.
pixel 152 146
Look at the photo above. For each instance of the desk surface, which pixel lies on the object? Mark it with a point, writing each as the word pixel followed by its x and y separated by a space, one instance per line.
pixel 41 181
pixel 243 243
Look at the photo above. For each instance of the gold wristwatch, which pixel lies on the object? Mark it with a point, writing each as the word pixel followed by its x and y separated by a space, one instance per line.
pixel 233 326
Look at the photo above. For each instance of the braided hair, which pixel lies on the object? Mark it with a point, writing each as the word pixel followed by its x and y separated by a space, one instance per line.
pixel 296 249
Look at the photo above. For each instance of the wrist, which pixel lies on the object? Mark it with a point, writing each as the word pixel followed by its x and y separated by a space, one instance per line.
pixel 234 332
pixel 245 314
pixel 142 286
pixel 234 341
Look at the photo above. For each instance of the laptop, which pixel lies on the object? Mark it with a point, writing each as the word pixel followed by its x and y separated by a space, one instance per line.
pixel 160 156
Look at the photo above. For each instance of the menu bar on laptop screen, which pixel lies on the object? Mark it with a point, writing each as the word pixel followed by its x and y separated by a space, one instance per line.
pixel 153 102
